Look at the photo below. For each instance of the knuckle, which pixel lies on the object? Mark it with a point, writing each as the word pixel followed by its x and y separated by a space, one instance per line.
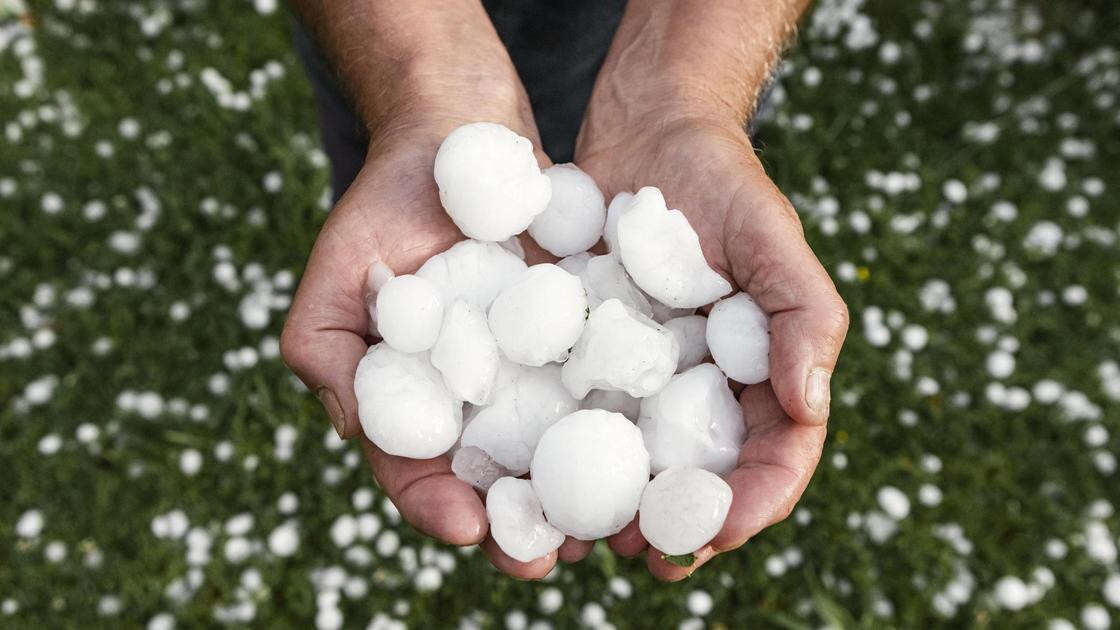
pixel 293 347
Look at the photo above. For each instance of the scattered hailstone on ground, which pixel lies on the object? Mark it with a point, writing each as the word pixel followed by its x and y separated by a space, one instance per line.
pixel 573 220
pixel 472 270
pixel 621 349
pixel 403 404
pixel 474 466
pixel 516 521
pixel 466 354
pixel 682 509
pixel 589 471
pixel 662 253
pixel 691 334
pixel 489 181
pixel 738 335
pixel 409 313
pixel 539 316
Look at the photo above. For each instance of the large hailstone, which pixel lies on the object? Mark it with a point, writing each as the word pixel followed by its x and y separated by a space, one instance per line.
pixel 691 334
pixel 409 313
pixel 694 421
pixel 573 220
pixel 604 278
pixel 613 400
pixel 466 354
pixel 474 271
pixel 516 521
pixel 576 263
pixel 619 204
pixel 474 466
pixel 662 253
pixel 538 317
pixel 526 402
pixel 489 181
pixel 683 509
pixel 589 470
pixel 403 404
pixel 738 335
pixel 621 349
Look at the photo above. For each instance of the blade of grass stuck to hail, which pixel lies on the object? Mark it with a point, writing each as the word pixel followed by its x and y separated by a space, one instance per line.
pixel 684 560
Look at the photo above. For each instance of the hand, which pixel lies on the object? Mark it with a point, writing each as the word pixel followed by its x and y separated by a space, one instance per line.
pixel 706 167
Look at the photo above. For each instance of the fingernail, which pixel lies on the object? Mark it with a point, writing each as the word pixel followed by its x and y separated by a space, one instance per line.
pixel 817 391
pixel 334 410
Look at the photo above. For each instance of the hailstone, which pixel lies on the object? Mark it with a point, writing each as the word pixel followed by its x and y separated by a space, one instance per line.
pixel 690 331
pixel 738 335
pixel 489 181
pixel 573 220
pixel 403 405
pixel 618 206
pixel 604 278
pixel 694 421
pixel 621 349
pixel 589 470
pixel 662 253
pixel 538 317
pixel 574 264
pixel 466 354
pixel 472 270
pixel 682 509
pixel 516 521
pixel 613 400
pixel 409 313
pixel 474 466
pixel 662 313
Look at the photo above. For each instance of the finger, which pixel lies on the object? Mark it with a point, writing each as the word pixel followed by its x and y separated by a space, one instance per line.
pixel 668 572
pixel 775 464
pixel 574 550
pixel 772 262
pixel 629 542
pixel 532 570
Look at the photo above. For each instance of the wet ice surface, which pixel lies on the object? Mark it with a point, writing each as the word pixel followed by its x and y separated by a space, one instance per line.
pixel 573 220
pixel 613 400
pixel 618 205
pixel 739 337
pixel 539 316
pixel 694 421
pixel 604 278
pixel 472 270
pixel 489 181
pixel 691 334
pixel 662 254
pixel 589 471
pixel 682 509
pixel 574 264
pixel 403 405
pixel 409 313
pixel 474 466
pixel 516 521
pixel 621 349
pixel 662 313
pixel 466 354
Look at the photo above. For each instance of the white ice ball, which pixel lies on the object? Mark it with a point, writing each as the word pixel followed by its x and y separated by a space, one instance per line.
pixel 466 354
pixel 474 271
pixel 573 220
pixel 589 470
pixel 576 263
pixel 538 317
pixel 516 521
pixel 682 509
pixel 739 338
pixel 694 421
pixel 604 278
pixel 662 253
pixel 409 313
pixel 691 334
pixel 619 204
pixel 403 404
pixel 474 466
pixel 489 181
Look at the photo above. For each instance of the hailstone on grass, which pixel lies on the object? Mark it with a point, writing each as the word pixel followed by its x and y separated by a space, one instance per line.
pixel 662 253
pixel 489 181
pixel 403 405
pixel 474 466
pixel 589 471
pixel 621 349
pixel 466 354
pixel 682 509
pixel 573 220
pixel 517 523
pixel 694 421
pixel 474 271
pixel 691 334
pixel 409 313
pixel 613 400
pixel 738 335
pixel 604 278
pixel 538 317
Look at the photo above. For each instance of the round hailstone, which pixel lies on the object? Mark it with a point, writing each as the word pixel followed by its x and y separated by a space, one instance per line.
pixel 538 317
pixel 466 354
pixel 403 404
pixel 409 313
pixel 489 181
pixel 694 421
pixel 691 334
pixel 604 278
pixel 619 204
pixel 573 220
pixel 474 271
pixel 516 521
pixel 682 509
pixel 589 470
pixel 739 338
pixel 527 400
pixel 662 253
pixel 621 349
pixel 576 263
pixel 474 466
pixel 613 400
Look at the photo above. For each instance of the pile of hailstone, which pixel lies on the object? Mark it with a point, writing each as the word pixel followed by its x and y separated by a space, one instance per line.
pixel 587 375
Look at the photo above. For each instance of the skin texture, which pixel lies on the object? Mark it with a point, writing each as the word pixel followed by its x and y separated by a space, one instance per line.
pixel 668 110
